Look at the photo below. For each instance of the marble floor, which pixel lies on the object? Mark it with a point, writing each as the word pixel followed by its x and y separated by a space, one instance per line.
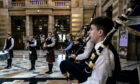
pixel 20 68
pixel 20 74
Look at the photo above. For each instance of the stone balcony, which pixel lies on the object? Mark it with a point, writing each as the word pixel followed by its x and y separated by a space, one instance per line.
pixel 40 4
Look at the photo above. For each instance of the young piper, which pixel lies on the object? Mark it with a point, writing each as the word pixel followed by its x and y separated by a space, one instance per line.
pixel 104 65
pixel 49 45
pixel 31 45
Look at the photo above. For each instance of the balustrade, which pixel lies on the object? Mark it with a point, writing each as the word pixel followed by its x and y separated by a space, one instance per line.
pixel 38 3
pixel 18 4
pixel 61 3
pixel 34 3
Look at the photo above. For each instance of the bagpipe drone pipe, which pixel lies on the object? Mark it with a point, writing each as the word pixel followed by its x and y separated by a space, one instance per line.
pixel 30 42
pixel 90 63
pixel 133 23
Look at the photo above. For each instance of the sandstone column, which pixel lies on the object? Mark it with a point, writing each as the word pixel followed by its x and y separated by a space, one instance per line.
pixel 29 29
pixel 51 24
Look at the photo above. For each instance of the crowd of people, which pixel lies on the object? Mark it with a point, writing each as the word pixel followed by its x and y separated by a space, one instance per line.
pixel 46 44
pixel 106 69
pixel 106 66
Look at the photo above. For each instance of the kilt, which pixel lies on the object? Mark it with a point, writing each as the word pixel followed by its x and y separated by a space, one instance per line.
pixel 50 55
pixel 33 55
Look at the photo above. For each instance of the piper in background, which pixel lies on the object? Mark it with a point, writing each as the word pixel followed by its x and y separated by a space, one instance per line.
pixel 49 45
pixel 31 45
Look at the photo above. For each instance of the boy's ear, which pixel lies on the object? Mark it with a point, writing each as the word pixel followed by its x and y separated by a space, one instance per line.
pixel 101 32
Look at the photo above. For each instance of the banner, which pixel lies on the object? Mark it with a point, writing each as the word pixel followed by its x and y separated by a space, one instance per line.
pixel 123 43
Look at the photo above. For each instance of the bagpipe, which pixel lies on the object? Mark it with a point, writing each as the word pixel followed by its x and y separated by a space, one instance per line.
pixel 49 41
pixel 30 42
pixel 118 23
pixel 90 62
pixel 79 44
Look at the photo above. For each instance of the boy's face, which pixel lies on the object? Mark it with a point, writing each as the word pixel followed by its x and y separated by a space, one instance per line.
pixel 49 34
pixel 31 37
pixel 94 34
pixel 68 37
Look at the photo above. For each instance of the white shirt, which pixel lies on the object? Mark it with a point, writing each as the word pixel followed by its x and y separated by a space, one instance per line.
pixel 103 67
pixel 87 51
pixel 53 42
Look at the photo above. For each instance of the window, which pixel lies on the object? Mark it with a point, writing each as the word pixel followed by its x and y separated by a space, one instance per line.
pixel 1 4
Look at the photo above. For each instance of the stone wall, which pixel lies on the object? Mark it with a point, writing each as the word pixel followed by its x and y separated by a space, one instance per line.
pixel 4 25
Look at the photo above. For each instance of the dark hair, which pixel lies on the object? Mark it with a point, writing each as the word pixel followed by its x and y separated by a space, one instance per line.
pixel 69 34
pixel 104 23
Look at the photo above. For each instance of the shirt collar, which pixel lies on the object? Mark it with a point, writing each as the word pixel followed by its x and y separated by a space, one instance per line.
pixel 98 45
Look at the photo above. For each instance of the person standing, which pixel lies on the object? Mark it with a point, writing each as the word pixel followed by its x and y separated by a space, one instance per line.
pixel 8 46
pixel 31 45
pixel 49 45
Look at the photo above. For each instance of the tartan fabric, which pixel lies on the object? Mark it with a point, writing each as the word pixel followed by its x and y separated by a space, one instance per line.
pixel 50 56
